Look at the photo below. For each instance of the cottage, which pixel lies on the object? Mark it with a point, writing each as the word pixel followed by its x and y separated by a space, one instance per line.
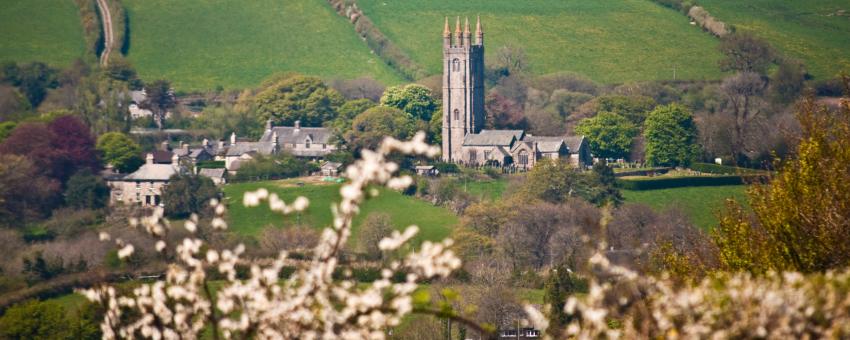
pixel 218 176
pixel 330 169
pixel 144 186
pixel 426 170
pixel 309 142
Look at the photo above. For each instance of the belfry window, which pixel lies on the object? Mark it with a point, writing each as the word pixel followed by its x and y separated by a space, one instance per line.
pixel 455 65
pixel 457 114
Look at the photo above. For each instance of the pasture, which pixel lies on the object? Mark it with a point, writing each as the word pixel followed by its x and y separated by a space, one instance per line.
pixel 40 30
pixel 610 41
pixel 702 204
pixel 202 44
pixel 435 223
pixel 815 32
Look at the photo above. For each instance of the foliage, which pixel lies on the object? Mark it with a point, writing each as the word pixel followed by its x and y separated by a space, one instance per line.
pixel 223 120
pixel 560 285
pixel 120 151
pixel 48 320
pixel 160 98
pixel 609 134
pixel 73 147
pixel 188 194
pixel 369 128
pixel 556 181
pixel 635 40
pixel 788 81
pixel 680 182
pixel 85 190
pixel 274 167
pixel 746 53
pixel 413 99
pixel 313 39
pixel 33 79
pixel 25 194
pixel 604 186
pixel 800 216
pixel 671 136
pixel 6 129
pixel 373 229
pixel 210 164
pixel 633 108
pixel 298 98
pixel 711 168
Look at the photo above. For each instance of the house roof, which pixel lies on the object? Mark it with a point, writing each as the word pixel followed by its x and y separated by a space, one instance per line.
pixel 493 138
pixel 546 144
pixel 574 143
pixel 424 167
pixel 160 156
pixel 331 165
pixel 213 173
pixel 153 172
pixel 240 148
pixel 290 135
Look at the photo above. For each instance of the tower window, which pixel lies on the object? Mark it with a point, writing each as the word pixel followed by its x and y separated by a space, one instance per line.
pixel 457 114
pixel 455 65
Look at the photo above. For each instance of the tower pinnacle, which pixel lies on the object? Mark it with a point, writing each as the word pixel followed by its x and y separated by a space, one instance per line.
pixel 458 33
pixel 446 31
pixel 479 32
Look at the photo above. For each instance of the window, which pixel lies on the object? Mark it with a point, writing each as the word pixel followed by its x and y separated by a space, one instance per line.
pixel 457 114
pixel 307 143
pixel 324 146
pixel 523 158
pixel 486 154
pixel 138 185
pixel 473 156
pixel 455 65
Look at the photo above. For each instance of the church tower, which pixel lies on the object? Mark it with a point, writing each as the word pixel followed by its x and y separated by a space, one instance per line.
pixel 463 86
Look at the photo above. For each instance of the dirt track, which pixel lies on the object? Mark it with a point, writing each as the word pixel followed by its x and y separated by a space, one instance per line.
pixel 108 39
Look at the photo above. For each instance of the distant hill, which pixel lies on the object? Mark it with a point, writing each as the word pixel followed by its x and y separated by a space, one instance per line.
pixel 610 41
pixel 815 32
pixel 40 30
pixel 201 44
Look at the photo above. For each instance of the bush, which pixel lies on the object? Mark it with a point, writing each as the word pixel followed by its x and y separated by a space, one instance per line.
pixel 210 165
pixel 277 167
pixel 447 168
pixel 718 169
pixel 188 194
pixel 49 320
pixel 84 190
pixel 678 182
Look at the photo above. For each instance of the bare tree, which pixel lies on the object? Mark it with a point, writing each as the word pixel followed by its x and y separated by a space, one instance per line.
pixel 274 239
pixel 160 98
pixel 744 93
pixel 375 227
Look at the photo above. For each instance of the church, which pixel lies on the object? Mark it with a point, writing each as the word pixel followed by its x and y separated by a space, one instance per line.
pixel 465 141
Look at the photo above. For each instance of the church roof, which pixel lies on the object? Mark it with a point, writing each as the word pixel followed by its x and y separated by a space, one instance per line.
pixel 546 144
pixel 574 143
pixel 493 138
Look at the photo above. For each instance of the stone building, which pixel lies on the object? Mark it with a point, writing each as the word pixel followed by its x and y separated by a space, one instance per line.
pixel 465 141
pixel 306 142
pixel 144 186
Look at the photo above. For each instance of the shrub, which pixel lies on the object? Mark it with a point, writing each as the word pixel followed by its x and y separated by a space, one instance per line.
pixel 275 167
pixel 84 190
pixel 187 194
pixel 446 168
pixel 210 165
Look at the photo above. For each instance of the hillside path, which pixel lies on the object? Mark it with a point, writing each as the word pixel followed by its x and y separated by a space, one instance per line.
pixel 106 17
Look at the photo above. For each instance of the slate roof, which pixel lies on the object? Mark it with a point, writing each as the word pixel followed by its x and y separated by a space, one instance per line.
pixel 573 143
pixel 331 165
pixel 213 173
pixel 153 172
pixel 493 138
pixel 546 144
pixel 240 148
pixel 160 156
pixel 290 135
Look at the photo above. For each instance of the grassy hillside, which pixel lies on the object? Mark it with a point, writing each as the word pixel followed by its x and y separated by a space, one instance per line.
pixel 434 223
pixel 40 30
pixel 610 41
pixel 811 31
pixel 201 44
pixel 700 203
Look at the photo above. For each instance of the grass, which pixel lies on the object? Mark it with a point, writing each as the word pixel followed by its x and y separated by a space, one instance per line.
pixel 40 30
pixel 702 204
pixel 202 44
pixel 491 190
pixel 434 223
pixel 806 30
pixel 610 41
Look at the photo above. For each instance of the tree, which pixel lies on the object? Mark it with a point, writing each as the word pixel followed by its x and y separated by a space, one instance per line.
pixel 799 219
pixel 32 140
pixel 671 136
pixel 633 108
pixel 503 112
pixel 347 113
pixel 609 134
pixel 787 83
pixel 413 99
pixel 73 146
pixel 35 319
pixel 743 93
pixel 371 127
pixel 560 284
pixel 372 230
pixel 187 194
pixel 6 129
pixel 225 119
pixel 25 194
pixel 282 165
pixel 32 79
pixel 160 98
pixel 556 181
pixel 745 53
pixel 300 98
pixel 84 190
pixel 120 150
pixel 604 186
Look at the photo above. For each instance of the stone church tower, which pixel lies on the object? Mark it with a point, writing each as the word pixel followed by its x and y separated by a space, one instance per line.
pixel 463 87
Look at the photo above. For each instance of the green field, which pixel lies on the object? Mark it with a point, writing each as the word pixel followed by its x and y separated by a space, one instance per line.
pixel 806 30
pixel 700 203
pixel 610 41
pixel 40 30
pixel 201 44
pixel 434 223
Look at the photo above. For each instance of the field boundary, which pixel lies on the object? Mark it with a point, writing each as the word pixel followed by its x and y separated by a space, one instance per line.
pixel 377 41
pixel 680 182
pixel 108 39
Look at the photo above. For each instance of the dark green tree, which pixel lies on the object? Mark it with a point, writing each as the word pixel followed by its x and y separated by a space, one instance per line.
pixel 633 108
pixel 604 185
pixel 160 99
pixel 671 136
pixel 33 79
pixel 413 99
pixel 560 284
pixel 120 150
pixel 609 135
pixel 187 194
pixel 371 127
pixel 84 190
pixel 306 99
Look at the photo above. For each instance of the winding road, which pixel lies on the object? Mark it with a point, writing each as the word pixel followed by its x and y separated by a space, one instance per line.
pixel 108 39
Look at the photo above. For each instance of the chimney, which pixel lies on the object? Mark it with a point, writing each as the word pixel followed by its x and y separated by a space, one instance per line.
pixel 165 146
pixel 175 160
pixel 297 125
pixel 184 146
pixel 221 143
pixel 268 124
pixel 206 142
pixel 274 139
pixel 149 159
pixel 447 34
pixel 479 32
pixel 233 138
